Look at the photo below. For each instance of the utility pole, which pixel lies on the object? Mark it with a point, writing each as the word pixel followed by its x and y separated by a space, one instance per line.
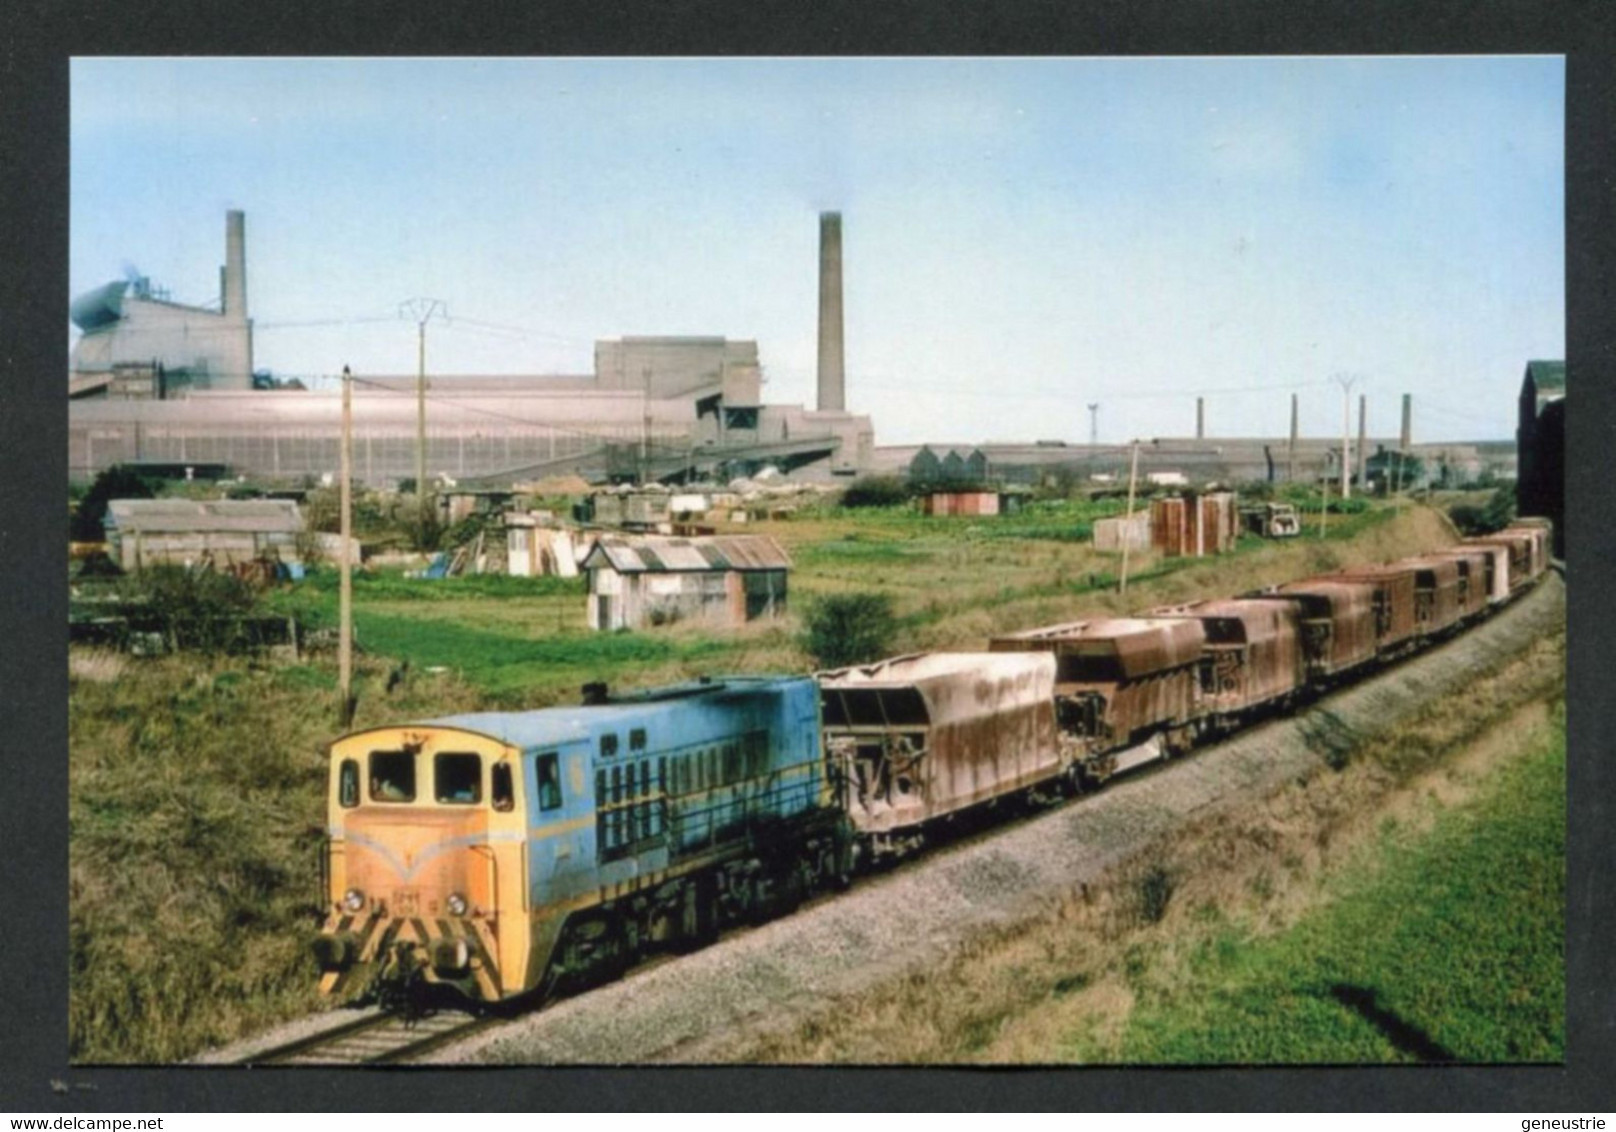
pixel 345 612
pixel 1094 427
pixel 1324 508
pixel 1346 381
pixel 1363 442
pixel 1127 526
pixel 645 423
pixel 421 311
pixel 1290 456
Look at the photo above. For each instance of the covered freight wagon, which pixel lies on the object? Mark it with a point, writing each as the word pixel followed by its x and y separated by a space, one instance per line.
pixel 1253 653
pixel 1337 620
pixel 921 736
pixel 1119 681
pixel 1395 625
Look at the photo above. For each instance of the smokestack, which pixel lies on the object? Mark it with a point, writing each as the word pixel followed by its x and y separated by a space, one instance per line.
pixel 1363 413
pixel 832 380
pixel 235 264
pixel 1200 418
pixel 1407 437
pixel 1290 458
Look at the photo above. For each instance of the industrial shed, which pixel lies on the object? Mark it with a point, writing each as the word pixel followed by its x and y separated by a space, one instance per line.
pixel 1194 526
pixel 727 580
pixel 186 532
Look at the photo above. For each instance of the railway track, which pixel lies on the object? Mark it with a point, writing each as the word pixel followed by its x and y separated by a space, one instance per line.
pixel 376 1039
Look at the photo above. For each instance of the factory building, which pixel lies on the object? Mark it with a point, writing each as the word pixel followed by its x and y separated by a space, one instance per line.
pixel 132 330
pixel 144 389
pixel 1540 437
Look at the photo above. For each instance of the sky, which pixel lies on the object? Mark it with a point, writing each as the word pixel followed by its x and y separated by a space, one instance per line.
pixel 1021 237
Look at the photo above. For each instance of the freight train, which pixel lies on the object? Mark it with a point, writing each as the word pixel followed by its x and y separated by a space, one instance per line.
pixel 502 855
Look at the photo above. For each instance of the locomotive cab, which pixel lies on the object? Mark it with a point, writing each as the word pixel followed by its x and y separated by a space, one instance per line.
pixel 422 865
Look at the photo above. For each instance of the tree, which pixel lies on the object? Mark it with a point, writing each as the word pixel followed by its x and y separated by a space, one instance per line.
pixel 876 491
pixel 117 482
pixel 846 629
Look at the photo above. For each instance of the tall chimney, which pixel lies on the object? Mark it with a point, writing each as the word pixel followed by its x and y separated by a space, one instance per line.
pixel 235 264
pixel 832 381
pixel 1363 463
pixel 1290 456
pixel 1200 418
pixel 1408 422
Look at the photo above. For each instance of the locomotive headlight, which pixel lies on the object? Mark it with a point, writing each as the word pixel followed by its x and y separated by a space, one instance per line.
pixel 353 900
pixel 457 904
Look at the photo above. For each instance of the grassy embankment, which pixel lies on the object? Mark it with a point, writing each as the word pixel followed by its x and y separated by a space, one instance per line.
pixel 196 786
pixel 1407 906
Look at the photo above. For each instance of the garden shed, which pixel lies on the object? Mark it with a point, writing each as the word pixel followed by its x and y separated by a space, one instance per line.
pixel 187 532
pixel 654 580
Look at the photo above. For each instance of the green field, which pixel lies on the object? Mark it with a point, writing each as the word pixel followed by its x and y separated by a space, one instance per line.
pixel 1439 945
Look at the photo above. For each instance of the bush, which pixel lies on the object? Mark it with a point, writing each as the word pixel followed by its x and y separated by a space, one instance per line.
pixel 1494 515
pixel 876 491
pixel 200 609
pixel 117 482
pixel 846 629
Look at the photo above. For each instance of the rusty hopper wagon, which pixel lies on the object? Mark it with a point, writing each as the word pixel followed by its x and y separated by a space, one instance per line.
pixel 919 737
pixel 1338 624
pixel 1120 683
pixel 1475 578
pixel 1253 658
pixel 1393 585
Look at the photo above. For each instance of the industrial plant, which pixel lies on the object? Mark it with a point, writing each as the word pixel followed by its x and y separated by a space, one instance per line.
pixel 152 381
pixel 155 382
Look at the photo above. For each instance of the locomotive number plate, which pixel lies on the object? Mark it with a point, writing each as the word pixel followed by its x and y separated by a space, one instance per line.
pixel 406 901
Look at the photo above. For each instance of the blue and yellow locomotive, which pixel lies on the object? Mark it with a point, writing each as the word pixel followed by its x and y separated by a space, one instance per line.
pixel 500 853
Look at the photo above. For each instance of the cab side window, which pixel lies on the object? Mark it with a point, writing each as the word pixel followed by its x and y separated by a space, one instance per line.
pixel 348 784
pixel 549 776
pixel 504 796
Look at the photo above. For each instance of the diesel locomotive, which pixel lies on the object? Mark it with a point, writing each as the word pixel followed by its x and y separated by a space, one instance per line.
pixel 499 855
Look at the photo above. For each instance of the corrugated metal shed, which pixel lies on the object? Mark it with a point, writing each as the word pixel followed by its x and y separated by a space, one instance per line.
pixel 662 555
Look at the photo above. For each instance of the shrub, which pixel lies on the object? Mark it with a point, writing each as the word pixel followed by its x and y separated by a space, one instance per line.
pixel 201 609
pixel 876 491
pixel 117 482
pixel 1494 515
pixel 848 629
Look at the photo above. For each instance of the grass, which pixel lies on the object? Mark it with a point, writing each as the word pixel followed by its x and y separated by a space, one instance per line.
pixel 1441 945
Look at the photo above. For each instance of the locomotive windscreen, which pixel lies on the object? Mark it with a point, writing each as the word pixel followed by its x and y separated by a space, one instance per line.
pixel 875 707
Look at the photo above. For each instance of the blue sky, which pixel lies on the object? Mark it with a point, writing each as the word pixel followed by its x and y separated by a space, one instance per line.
pixel 1021 236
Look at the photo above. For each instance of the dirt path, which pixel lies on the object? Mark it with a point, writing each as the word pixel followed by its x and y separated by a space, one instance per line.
pixel 727 1000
